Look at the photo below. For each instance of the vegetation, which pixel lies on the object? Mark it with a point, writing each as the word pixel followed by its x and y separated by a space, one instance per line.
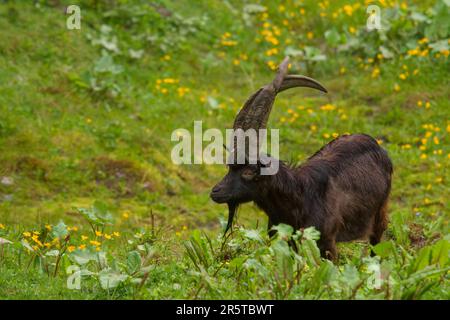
pixel 87 187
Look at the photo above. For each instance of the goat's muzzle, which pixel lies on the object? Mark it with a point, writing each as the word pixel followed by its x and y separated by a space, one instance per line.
pixel 217 194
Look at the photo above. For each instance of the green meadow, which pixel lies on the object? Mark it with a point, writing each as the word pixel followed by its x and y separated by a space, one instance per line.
pixel 92 206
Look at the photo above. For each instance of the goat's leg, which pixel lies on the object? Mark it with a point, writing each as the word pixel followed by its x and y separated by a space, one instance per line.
pixel 379 225
pixel 327 241
pixel 269 228
pixel 327 246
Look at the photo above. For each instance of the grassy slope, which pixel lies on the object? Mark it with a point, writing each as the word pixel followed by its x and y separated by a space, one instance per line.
pixel 62 144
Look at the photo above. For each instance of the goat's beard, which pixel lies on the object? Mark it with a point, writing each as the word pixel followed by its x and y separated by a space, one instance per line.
pixel 232 208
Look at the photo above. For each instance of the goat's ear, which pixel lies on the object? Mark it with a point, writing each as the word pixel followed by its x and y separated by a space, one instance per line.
pixel 248 174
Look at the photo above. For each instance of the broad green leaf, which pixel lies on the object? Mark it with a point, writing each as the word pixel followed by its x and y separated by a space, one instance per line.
pixel 27 245
pixel 333 37
pixel 350 275
pixel 253 235
pixel 110 279
pixel 290 51
pixel 440 251
pixel 134 262
pixel 254 8
pixel 82 257
pixel 60 230
pixel 52 253
pixel 284 231
pixel 384 249
pixel 311 233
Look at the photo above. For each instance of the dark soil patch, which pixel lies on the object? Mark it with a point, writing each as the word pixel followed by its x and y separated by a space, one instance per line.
pixel 416 236
pixel 31 167
pixel 411 101
pixel 124 177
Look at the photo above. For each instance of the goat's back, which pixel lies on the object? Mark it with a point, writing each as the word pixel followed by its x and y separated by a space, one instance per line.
pixel 351 179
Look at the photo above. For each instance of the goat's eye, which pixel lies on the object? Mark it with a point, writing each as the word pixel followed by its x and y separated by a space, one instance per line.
pixel 248 174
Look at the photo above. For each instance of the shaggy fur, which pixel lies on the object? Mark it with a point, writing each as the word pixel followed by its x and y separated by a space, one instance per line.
pixel 342 190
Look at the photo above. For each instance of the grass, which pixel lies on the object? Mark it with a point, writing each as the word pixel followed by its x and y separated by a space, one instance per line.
pixel 83 124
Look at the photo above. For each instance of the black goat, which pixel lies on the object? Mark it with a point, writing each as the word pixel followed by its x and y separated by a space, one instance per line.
pixel 342 190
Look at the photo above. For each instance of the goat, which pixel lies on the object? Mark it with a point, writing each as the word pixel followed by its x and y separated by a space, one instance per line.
pixel 342 190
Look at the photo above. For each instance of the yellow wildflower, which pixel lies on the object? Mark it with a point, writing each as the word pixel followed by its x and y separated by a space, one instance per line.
pixel 414 52
pixel 182 91
pixel 71 248
pixel 95 243
pixel 348 9
pixel 170 80
pixel 328 107
pixel 272 65
pixel 375 72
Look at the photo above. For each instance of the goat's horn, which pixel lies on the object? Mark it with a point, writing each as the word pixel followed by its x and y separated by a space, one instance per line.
pixel 255 112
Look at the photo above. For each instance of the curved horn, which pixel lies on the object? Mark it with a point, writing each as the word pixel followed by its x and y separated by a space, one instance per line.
pixel 255 112
pixel 292 81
